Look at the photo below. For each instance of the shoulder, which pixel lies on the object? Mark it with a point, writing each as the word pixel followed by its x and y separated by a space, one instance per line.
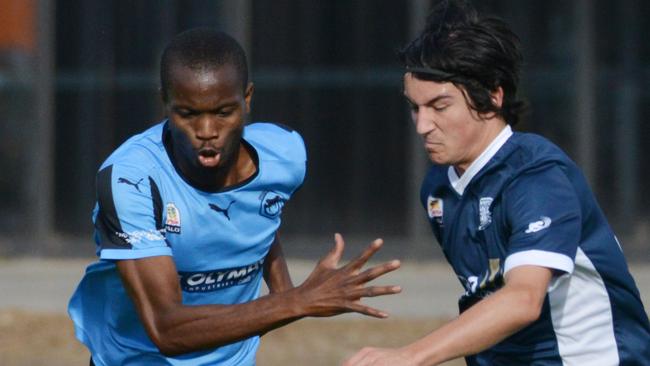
pixel 532 166
pixel 434 180
pixel 275 141
pixel 136 160
pixel 525 151
pixel 526 154
pixel 524 158
pixel 144 150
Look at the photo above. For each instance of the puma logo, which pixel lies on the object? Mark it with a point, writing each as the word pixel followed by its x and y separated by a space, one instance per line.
pixel 224 211
pixel 126 181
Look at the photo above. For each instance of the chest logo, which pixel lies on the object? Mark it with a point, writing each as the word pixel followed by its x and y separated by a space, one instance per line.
pixel 271 204
pixel 224 211
pixel 173 221
pixel 208 281
pixel 126 181
pixel 435 208
pixel 484 214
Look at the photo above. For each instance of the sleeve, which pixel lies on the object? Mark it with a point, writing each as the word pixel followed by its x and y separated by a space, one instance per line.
pixel 128 220
pixel 301 157
pixel 543 212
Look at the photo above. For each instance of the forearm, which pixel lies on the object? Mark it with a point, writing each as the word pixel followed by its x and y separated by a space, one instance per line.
pixel 182 329
pixel 152 284
pixel 276 271
pixel 480 327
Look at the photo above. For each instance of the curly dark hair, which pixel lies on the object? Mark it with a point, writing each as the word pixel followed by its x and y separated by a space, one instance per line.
pixel 201 48
pixel 477 54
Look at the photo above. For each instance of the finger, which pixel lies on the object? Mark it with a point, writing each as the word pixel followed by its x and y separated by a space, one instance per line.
pixel 367 310
pixel 370 250
pixel 374 291
pixel 374 272
pixel 339 245
pixel 334 255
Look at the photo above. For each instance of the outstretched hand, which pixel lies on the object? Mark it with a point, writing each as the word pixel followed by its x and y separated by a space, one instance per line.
pixel 330 290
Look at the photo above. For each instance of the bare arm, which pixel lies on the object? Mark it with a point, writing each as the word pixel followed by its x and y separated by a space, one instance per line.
pixel 485 324
pixel 276 272
pixel 175 328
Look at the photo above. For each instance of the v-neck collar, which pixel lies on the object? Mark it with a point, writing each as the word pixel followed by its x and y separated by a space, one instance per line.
pixel 460 183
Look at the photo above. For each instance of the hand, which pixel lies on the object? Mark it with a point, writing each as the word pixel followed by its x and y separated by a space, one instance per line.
pixel 330 290
pixel 370 356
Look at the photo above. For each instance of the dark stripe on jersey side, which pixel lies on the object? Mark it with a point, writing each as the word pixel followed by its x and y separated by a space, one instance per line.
pixel 157 204
pixel 108 224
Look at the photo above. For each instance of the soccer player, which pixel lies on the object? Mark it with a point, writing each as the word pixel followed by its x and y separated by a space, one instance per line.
pixel 186 227
pixel 546 282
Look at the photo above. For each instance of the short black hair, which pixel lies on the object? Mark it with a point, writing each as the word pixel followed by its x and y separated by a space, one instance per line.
pixel 200 49
pixel 474 52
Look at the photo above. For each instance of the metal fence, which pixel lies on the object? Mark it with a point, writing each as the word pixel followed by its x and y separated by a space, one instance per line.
pixel 87 79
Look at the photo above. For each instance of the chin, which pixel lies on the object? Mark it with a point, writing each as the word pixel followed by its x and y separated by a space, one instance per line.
pixel 439 161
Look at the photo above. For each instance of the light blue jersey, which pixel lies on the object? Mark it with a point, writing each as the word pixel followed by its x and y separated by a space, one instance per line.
pixel 218 240
pixel 524 202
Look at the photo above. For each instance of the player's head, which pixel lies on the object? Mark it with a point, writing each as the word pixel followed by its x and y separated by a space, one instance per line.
pixel 201 49
pixel 205 89
pixel 477 54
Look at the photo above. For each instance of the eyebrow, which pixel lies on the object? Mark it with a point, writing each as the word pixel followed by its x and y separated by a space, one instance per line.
pixel 430 101
pixel 229 104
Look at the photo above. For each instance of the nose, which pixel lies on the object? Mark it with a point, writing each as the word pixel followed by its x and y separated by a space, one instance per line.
pixel 206 128
pixel 423 121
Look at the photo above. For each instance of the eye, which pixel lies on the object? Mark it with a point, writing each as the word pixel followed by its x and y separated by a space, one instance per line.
pixel 184 113
pixel 225 112
pixel 413 107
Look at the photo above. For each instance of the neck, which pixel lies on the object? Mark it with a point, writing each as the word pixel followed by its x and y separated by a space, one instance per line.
pixel 239 168
pixel 493 128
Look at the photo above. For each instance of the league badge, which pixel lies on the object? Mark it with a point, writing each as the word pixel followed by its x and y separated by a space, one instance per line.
pixel 435 208
pixel 173 222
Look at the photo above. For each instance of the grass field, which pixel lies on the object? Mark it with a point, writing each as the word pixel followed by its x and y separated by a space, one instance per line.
pixel 35 339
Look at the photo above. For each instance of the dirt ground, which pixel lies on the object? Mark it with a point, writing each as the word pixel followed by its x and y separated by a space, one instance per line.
pixel 35 339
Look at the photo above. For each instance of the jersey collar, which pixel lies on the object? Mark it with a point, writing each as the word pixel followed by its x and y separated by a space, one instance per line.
pixel 460 183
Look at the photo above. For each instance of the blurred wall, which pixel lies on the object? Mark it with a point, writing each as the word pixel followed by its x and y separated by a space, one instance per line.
pixel 326 68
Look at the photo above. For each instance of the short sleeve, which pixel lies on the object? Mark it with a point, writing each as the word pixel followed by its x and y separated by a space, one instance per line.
pixel 128 220
pixel 543 212
pixel 301 153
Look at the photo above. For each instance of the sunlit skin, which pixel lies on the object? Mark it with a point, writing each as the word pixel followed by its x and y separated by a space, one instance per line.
pixel 207 109
pixel 452 132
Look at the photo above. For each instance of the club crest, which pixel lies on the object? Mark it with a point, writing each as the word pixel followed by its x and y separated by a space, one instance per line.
pixel 485 216
pixel 271 204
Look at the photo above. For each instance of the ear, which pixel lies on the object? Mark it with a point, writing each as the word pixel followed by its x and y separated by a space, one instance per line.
pixel 497 97
pixel 248 96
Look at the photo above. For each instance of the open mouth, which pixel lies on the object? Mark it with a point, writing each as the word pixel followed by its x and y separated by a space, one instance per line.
pixel 209 157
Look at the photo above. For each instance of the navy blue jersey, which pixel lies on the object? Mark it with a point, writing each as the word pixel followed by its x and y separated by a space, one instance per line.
pixel 524 202
pixel 218 240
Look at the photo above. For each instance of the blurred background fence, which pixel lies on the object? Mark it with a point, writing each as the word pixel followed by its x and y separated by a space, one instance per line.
pixel 77 77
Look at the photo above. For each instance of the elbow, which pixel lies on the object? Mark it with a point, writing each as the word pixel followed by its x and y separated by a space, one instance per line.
pixel 168 346
pixel 530 307
pixel 166 339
